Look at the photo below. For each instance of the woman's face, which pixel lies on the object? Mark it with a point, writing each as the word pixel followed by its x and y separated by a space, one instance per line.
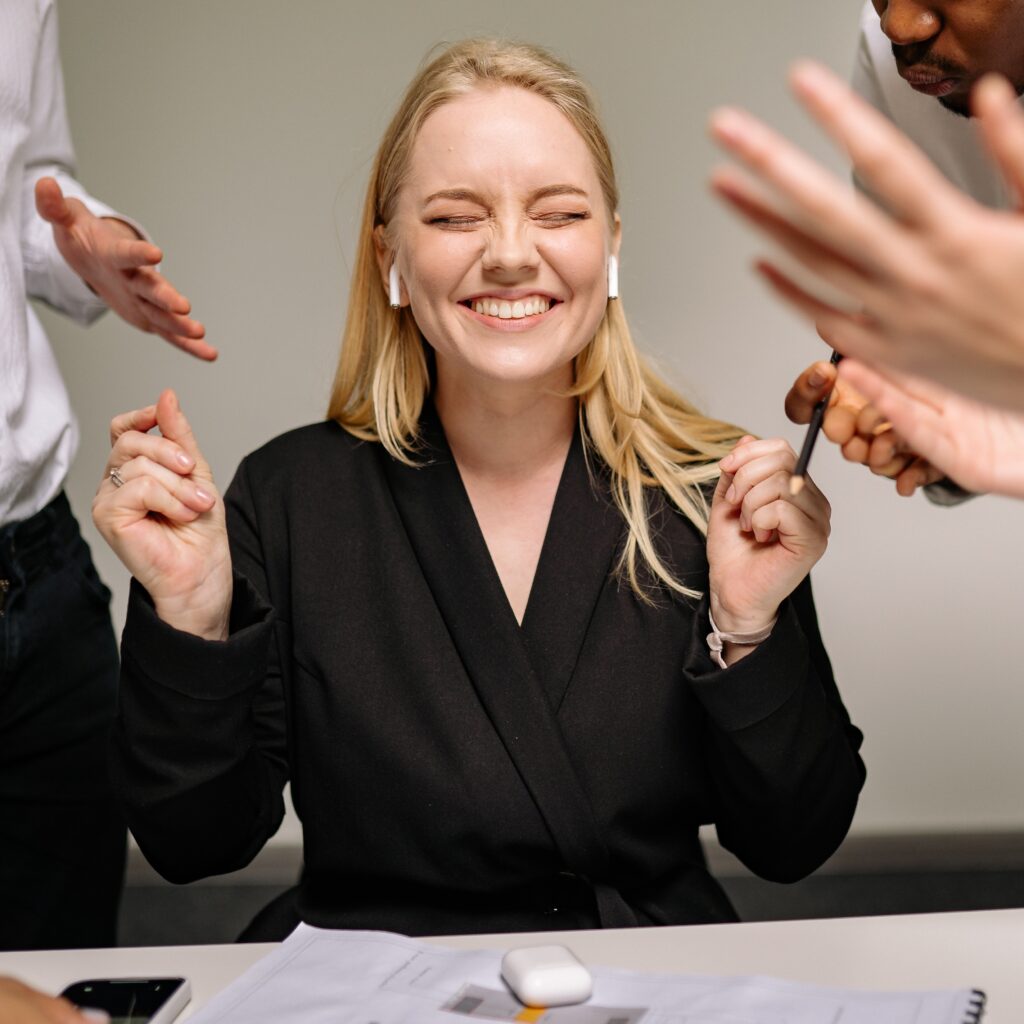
pixel 502 238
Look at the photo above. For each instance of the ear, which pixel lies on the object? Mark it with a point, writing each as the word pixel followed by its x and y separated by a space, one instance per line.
pixel 384 255
pixel 616 235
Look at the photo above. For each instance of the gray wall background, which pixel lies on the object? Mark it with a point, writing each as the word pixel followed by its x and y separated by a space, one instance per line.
pixel 240 133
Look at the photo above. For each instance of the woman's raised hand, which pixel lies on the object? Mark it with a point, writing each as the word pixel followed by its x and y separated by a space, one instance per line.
pixel 762 541
pixel 158 508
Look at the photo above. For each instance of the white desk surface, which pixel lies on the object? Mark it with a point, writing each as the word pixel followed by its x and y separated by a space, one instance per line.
pixel 982 949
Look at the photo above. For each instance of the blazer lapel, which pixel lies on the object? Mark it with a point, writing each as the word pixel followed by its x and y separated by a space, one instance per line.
pixel 453 556
pixel 578 556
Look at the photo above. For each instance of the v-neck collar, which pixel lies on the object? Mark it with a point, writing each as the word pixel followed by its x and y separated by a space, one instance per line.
pixel 576 558
pixel 505 663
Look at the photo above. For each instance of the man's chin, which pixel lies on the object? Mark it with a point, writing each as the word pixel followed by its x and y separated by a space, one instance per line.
pixel 957 103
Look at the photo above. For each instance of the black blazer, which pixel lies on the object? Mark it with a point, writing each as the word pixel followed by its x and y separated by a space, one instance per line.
pixel 455 772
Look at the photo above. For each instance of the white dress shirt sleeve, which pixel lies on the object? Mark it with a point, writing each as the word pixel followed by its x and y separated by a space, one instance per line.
pixel 49 153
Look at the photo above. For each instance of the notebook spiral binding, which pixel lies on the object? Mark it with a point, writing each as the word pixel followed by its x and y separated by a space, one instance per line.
pixel 975 1007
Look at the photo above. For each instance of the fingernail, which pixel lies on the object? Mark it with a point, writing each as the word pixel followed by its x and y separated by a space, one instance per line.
pixel 816 379
pixel 728 123
pixel 997 87
pixel 807 74
pixel 183 460
pixel 204 495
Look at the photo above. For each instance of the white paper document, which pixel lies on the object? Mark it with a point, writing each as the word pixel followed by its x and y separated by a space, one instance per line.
pixel 340 977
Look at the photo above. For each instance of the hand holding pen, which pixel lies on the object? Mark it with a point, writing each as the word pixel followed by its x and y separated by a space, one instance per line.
pixel 799 477
pixel 863 434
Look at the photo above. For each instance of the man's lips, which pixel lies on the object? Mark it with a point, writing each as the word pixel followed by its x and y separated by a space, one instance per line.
pixel 931 83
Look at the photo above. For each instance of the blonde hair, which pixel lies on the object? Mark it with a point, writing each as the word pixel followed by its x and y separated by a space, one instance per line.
pixel 642 430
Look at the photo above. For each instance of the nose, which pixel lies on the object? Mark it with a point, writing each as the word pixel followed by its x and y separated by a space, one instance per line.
pixel 510 248
pixel 908 22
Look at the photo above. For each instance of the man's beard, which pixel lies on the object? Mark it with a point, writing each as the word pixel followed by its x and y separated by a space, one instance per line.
pixel 908 56
pixel 961 105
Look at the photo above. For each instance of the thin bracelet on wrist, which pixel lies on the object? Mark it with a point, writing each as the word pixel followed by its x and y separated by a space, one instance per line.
pixel 717 639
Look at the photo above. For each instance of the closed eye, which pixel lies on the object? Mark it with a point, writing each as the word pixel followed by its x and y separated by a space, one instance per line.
pixel 560 218
pixel 455 222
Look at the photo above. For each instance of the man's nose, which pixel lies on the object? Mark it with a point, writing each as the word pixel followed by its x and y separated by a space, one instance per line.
pixel 510 248
pixel 908 22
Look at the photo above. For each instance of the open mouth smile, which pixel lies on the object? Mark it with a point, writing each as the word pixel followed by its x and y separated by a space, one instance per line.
pixel 510 309
pixel 515 312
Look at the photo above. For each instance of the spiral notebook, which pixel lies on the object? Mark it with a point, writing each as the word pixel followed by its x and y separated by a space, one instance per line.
pixel 381 978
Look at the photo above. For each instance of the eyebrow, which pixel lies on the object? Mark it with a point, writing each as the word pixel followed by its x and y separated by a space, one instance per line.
pixel 469 195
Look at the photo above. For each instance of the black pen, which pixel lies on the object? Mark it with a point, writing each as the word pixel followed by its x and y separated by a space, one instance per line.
pixel 798 479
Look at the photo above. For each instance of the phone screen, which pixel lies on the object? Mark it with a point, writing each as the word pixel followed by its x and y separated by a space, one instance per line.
pixel 127 1000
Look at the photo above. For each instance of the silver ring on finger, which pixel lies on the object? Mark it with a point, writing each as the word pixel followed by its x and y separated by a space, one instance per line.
pixel 115 477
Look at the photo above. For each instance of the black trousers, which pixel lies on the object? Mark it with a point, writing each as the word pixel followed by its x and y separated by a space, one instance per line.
pixel 62 838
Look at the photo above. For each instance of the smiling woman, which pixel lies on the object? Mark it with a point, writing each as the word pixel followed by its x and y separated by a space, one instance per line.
pixel 485 618
pixel 494 185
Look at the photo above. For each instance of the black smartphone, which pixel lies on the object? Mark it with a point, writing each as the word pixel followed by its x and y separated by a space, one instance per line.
pixel 132 1000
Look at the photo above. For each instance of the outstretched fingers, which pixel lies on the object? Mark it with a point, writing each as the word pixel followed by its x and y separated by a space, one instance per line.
pixel 827 208
pixel 187 342
pixel 803 245
pixel 174 324
pixel 1002 129
pixel 134 254
pixel 851 333
pixel 158 291
pixel 884 159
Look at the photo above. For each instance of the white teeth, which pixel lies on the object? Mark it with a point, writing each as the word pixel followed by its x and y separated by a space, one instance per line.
pixel 531 306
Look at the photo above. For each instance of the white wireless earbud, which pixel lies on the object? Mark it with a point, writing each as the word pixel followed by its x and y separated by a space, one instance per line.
pixel 394 287
pixel 613 277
